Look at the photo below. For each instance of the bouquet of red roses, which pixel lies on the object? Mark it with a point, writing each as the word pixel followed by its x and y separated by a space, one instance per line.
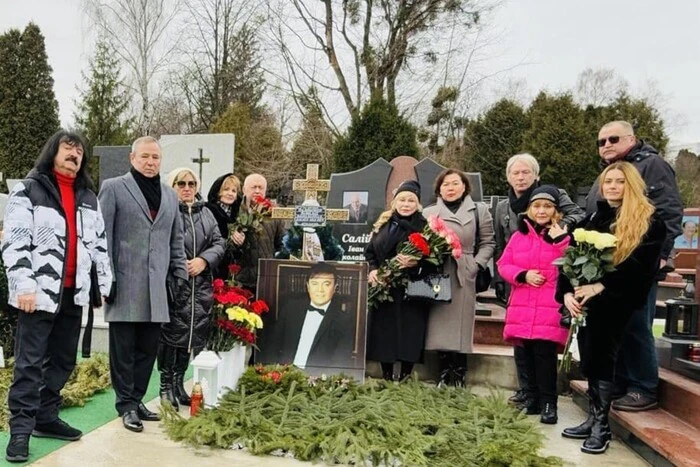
pixel 235 317
pixel 252 218
pixel 433 244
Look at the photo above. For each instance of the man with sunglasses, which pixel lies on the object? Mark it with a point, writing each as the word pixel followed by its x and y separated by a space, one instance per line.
pixel 637 372
pixel 146 244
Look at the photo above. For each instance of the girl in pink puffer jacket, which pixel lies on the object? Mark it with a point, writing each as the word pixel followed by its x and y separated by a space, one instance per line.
pixel 532 317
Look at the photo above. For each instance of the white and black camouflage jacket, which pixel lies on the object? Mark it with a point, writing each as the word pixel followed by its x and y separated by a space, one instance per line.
pixel 35 238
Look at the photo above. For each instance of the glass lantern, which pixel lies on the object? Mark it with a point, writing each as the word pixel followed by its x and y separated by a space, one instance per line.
pixel 682 316
pixel 206 373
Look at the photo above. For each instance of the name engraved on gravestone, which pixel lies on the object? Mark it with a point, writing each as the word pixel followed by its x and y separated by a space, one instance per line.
pixel 309 216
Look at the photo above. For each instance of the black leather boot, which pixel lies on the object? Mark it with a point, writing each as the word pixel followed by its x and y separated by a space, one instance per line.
pixel 406 369
pixel 460 370
pixel 549 413
pixel 166 366
pixel 599 440
pixel 182 360
pixel 583 430
pixel 445 368
pixel 387 371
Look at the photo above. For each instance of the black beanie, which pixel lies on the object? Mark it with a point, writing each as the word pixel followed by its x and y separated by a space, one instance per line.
pixel 547 192
pixel 408 185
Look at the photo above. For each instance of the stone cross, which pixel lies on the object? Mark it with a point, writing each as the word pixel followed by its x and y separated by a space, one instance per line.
pixel 200 160
pixel 311 185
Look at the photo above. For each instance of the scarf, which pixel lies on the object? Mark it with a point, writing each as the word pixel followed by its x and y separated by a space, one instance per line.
pixel 150 188
pixel 519 205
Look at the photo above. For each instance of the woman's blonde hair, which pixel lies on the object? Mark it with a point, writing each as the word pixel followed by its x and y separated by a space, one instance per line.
pixel 555 218
pixel 230 179
pixel 386 215
pixel 176 175
pixel 633 215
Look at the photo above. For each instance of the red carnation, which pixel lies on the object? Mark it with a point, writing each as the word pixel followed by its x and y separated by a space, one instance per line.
pixel 218 284
pixel 259 307
pixel 233 269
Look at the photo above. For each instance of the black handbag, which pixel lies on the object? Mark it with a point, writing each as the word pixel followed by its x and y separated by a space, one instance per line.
pixel 483 276
pixel 565 320
pixel 432 287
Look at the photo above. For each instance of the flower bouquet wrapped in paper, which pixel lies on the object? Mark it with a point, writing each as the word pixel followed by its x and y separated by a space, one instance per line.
pixel 584 262
pixel 433 244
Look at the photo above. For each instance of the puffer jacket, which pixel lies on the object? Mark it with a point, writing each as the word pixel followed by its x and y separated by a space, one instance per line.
pixel 532 311
pixel 189 326
pixel 34 243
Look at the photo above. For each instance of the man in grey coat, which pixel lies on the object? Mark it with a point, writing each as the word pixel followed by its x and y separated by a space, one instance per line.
pixel 146 245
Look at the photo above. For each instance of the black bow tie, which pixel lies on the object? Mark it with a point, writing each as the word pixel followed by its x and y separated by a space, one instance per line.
pixel 319 310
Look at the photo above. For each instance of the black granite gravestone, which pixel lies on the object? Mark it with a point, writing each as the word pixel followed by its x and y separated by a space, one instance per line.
pixel 427 171
pixel 114 161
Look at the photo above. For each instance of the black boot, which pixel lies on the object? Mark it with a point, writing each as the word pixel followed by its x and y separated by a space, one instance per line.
pixel 406 369
pixel 445 367
pixel 583 430
pixel 460 370
pixel 598 441
pixel 549 413
pixel 388 371
pixel 182 359
pixel 166 366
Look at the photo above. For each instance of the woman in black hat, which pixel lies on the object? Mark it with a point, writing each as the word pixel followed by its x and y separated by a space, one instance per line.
pixel 396 330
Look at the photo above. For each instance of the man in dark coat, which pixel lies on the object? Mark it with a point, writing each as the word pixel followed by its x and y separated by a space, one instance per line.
pixel 357 210
pixel 54 232
pixel 315 332
pixel 637 371
pixel 146 241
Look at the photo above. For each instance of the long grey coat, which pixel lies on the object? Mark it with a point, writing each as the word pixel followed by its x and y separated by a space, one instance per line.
pixel 451 325
pixel 141 250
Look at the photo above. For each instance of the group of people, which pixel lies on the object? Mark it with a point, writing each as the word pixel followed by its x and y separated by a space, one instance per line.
pixel 154 249
pixel 151 248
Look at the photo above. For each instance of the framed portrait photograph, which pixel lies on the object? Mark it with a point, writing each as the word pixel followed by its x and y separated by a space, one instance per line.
pixel 686 244
pixel 317 317
pixel 356 203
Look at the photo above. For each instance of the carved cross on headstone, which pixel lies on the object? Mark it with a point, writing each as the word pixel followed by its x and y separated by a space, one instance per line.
pixel 200 160
pixel 310 214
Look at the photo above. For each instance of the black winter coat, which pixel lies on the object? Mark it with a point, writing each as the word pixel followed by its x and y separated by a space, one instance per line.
pixel 223 220
pixel 662 190
pixel 189 326
pixel 628 286
pixel 396 330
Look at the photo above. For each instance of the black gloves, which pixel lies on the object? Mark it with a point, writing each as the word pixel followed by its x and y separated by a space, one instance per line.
pixel 179 292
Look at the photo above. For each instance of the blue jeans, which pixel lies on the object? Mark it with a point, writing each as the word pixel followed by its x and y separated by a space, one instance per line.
pixel 637 369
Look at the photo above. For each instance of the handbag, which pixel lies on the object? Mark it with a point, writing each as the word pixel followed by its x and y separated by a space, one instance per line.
pixel 432 287
pixel 565 320
pixel 483 276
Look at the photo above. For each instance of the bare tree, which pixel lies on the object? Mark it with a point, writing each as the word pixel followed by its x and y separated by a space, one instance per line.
pixel 599 87
pixel 366 45
pixel 140 32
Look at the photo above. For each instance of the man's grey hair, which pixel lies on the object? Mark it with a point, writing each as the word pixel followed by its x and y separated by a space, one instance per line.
pixel 626 126
pixel 527 159
pixel 143 140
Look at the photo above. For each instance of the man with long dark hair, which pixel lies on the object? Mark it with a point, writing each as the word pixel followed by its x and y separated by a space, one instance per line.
pixel 53 233
pixel 146 245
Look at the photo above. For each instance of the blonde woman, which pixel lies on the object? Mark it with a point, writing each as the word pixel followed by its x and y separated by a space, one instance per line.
pixel 396 330
pixel 625 212
pixel 224 201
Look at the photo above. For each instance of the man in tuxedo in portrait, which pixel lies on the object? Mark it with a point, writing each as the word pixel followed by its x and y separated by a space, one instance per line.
pixel 316 332
pixel 358 211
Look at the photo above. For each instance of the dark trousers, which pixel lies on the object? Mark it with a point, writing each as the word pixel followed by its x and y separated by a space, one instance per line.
pixel 132 352
pixel 541 363
pixel 46 348
pixel 520 357
pixel 637 369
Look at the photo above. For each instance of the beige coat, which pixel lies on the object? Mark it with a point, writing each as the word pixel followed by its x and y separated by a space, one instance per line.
pixel 451 325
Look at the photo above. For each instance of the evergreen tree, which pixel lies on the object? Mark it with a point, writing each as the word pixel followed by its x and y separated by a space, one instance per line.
pixel 28 106
pixel 687 167
pixel 314 144
pixel 379 131
pixel 491 140
pixel 242 77
pixel 646 120
pixel 100 113
pixel 562 142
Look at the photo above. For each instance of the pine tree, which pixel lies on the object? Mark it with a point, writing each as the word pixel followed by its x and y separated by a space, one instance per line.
pixel 492 139
pixel 379 131
pixel 313 145
pixel 100 113
pixel 28 106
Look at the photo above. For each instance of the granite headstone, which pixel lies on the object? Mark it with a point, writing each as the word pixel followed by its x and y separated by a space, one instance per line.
pixel 114 161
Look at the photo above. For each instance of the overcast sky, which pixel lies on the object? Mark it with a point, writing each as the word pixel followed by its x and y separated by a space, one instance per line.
pixel 643 40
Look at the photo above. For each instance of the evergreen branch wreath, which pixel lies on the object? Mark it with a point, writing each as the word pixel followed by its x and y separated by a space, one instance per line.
pixel 376 423
pixel 293 238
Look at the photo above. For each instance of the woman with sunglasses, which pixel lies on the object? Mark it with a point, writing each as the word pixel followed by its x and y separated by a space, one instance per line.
pixel 625 212
pixel 187 331
pixel 224 201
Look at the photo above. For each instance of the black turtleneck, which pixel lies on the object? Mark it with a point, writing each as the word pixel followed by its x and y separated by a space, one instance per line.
pixel 150 187
pixel 453 206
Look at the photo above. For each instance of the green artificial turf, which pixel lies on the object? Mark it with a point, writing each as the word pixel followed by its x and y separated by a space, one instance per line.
pixel 96 412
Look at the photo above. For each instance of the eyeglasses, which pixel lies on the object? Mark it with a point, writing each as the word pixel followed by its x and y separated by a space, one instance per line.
pixel 613 140
pixel 190 183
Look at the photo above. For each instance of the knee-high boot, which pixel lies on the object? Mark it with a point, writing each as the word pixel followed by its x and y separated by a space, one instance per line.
pixel 583 430
pixel 182 360
pixel 166 367
pixel 598 441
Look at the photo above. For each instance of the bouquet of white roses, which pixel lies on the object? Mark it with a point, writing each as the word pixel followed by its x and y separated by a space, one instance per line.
pixel 585 262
